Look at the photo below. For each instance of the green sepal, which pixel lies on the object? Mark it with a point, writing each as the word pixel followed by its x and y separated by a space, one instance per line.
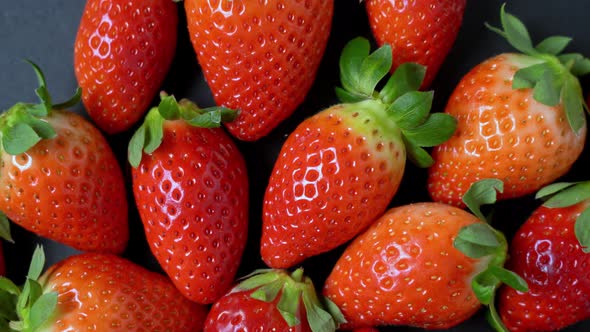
pixel 212 117
pixel 494 318
pixel 527 78
pixel 411 109
pixel 42 309
pixel 573 103
pixel 154 131
pixel 18 138
pixel 407 77
pixel 485 283
pixel 333 309
pixel 567 195
pixel 582 230
pixel 547 91
pixel 351 60
pixel 480 193
pixel 168 107
pixel 348 97
pixel 515 32
pixel 267 292
pixel 135 148
pixel 319 319
pixel 74 100
pixel 7 305
pixel 37 263
pixel 374 68
pixel 550 190
pixel 478 240
pixel 437 129
pixel 417 155
pixel 553 45
pixel 5 228
pixel 289 304
pixel 256 281
pixel 6 285
pixel 41 91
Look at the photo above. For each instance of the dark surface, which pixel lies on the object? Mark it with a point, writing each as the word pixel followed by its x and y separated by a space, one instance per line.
pixel 44 31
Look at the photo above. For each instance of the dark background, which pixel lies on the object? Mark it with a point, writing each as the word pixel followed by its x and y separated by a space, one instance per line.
pixel 44 31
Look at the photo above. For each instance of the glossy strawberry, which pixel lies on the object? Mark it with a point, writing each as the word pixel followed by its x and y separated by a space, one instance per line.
pixel 550 251
pixel 520 119
pixel 59 178
pixel 273 300
pixel 339 169
pixel 98 292
pixel 259 57
pixel 427 265
pixel 122 53
pixel 421 31
pixel 191 190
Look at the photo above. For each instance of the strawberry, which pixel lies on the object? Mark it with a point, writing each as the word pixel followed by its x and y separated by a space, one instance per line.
pixel 96 292
pixel 418 31
pixel 551 252
pixel 520 119
pixel 59 178
pixel 191 191
pixel 426 265
pixel 122 53
pixel 339 169
pixel 273 300
pixel 259 57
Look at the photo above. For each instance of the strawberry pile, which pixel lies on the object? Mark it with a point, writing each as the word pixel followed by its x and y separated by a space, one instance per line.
pixel 276 203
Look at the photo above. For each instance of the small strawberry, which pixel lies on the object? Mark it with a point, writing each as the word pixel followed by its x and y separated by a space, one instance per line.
pixel 122 53
pixel 421 31
pixel 520 119
pixel 338 171
pixel 260 57
pixel 95 292
pixel 59 178
pixel 191 190
pixel 427 265
pixel 273 300
pixel 551 252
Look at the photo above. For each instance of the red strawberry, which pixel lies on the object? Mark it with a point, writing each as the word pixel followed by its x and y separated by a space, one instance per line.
pixel 122 53
pixel 98 292
pixel 550 251
pixel 259 57
pixel 426 265
pixel 272 300
pixel 338 171
pixel 520 119
pixel 421 31
pixel 59 178
pixel 191 190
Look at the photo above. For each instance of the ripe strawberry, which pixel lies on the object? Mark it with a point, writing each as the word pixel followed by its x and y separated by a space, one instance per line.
pixel 122 53
pixel 259 57
pixel 427 265
pixel 97 292
pixel 273 300
pixel 339 169
pixel 520 119
pixel 59 178
pixel 550 251
pixel 191 190
pixel 418 31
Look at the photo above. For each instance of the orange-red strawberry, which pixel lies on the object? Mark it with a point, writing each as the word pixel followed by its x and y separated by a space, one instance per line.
pixel 339 169
pixel 520 119
pixel 426 265
pixel 122 53
pixel 550 251
pixel 59 178
pixel 259 57
pixel 191 190
pixel 421 31
pixel 273 300
pixel 97 292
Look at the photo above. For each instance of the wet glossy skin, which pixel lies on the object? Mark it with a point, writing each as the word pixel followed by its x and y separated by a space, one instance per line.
pixel 546 253
pixel 260 57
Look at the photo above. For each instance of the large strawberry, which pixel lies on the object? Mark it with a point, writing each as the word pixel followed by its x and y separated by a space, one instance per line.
pixel 191 190
pixel 122 53
pixel 339 169
pixel 551 252
pixel 95 292
pixel 259 57
pixel 59 178
pixel 421 31
pixel 426 265
pixel 273 300
pixel 520 119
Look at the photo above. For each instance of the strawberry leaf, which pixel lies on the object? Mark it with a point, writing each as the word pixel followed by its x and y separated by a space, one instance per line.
pixel 75 99
pixel 18 138
pixel 477 240
pixel 374 68
pixel 7 305
pixel 135 148
pixel 5 228
pixel 437 128
pixel 407 77
pixel 573 103
pixel 319 319
pixel 8 286
pixel 509 278
pixel 582 230
pixel 168 107
pixel 268 292
pixel 569 196
pixel 351 61
pixel 334 310
pixel 37 263
pixel 257 281
pixel 42 309
pixel 411 109
pixel 416 154
pixel 212 117
pixel 578 64
pixel 553 189
pixel 528 77
pixel 484 286
pixel 553 45
pixel 348 97
pixel 288 305
pixel 41 91
pixel 494 319
pixel 515 32
pixel 548 89
pixel 480 193
pixel 154 131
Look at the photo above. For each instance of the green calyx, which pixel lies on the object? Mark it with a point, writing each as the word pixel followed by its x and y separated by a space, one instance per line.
pixel 482 241
pixel 26 308
pixel 292 289
pixel 409 109
pixel 554 79
pixel 24 125
pixel 564 194
pixel 148 136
